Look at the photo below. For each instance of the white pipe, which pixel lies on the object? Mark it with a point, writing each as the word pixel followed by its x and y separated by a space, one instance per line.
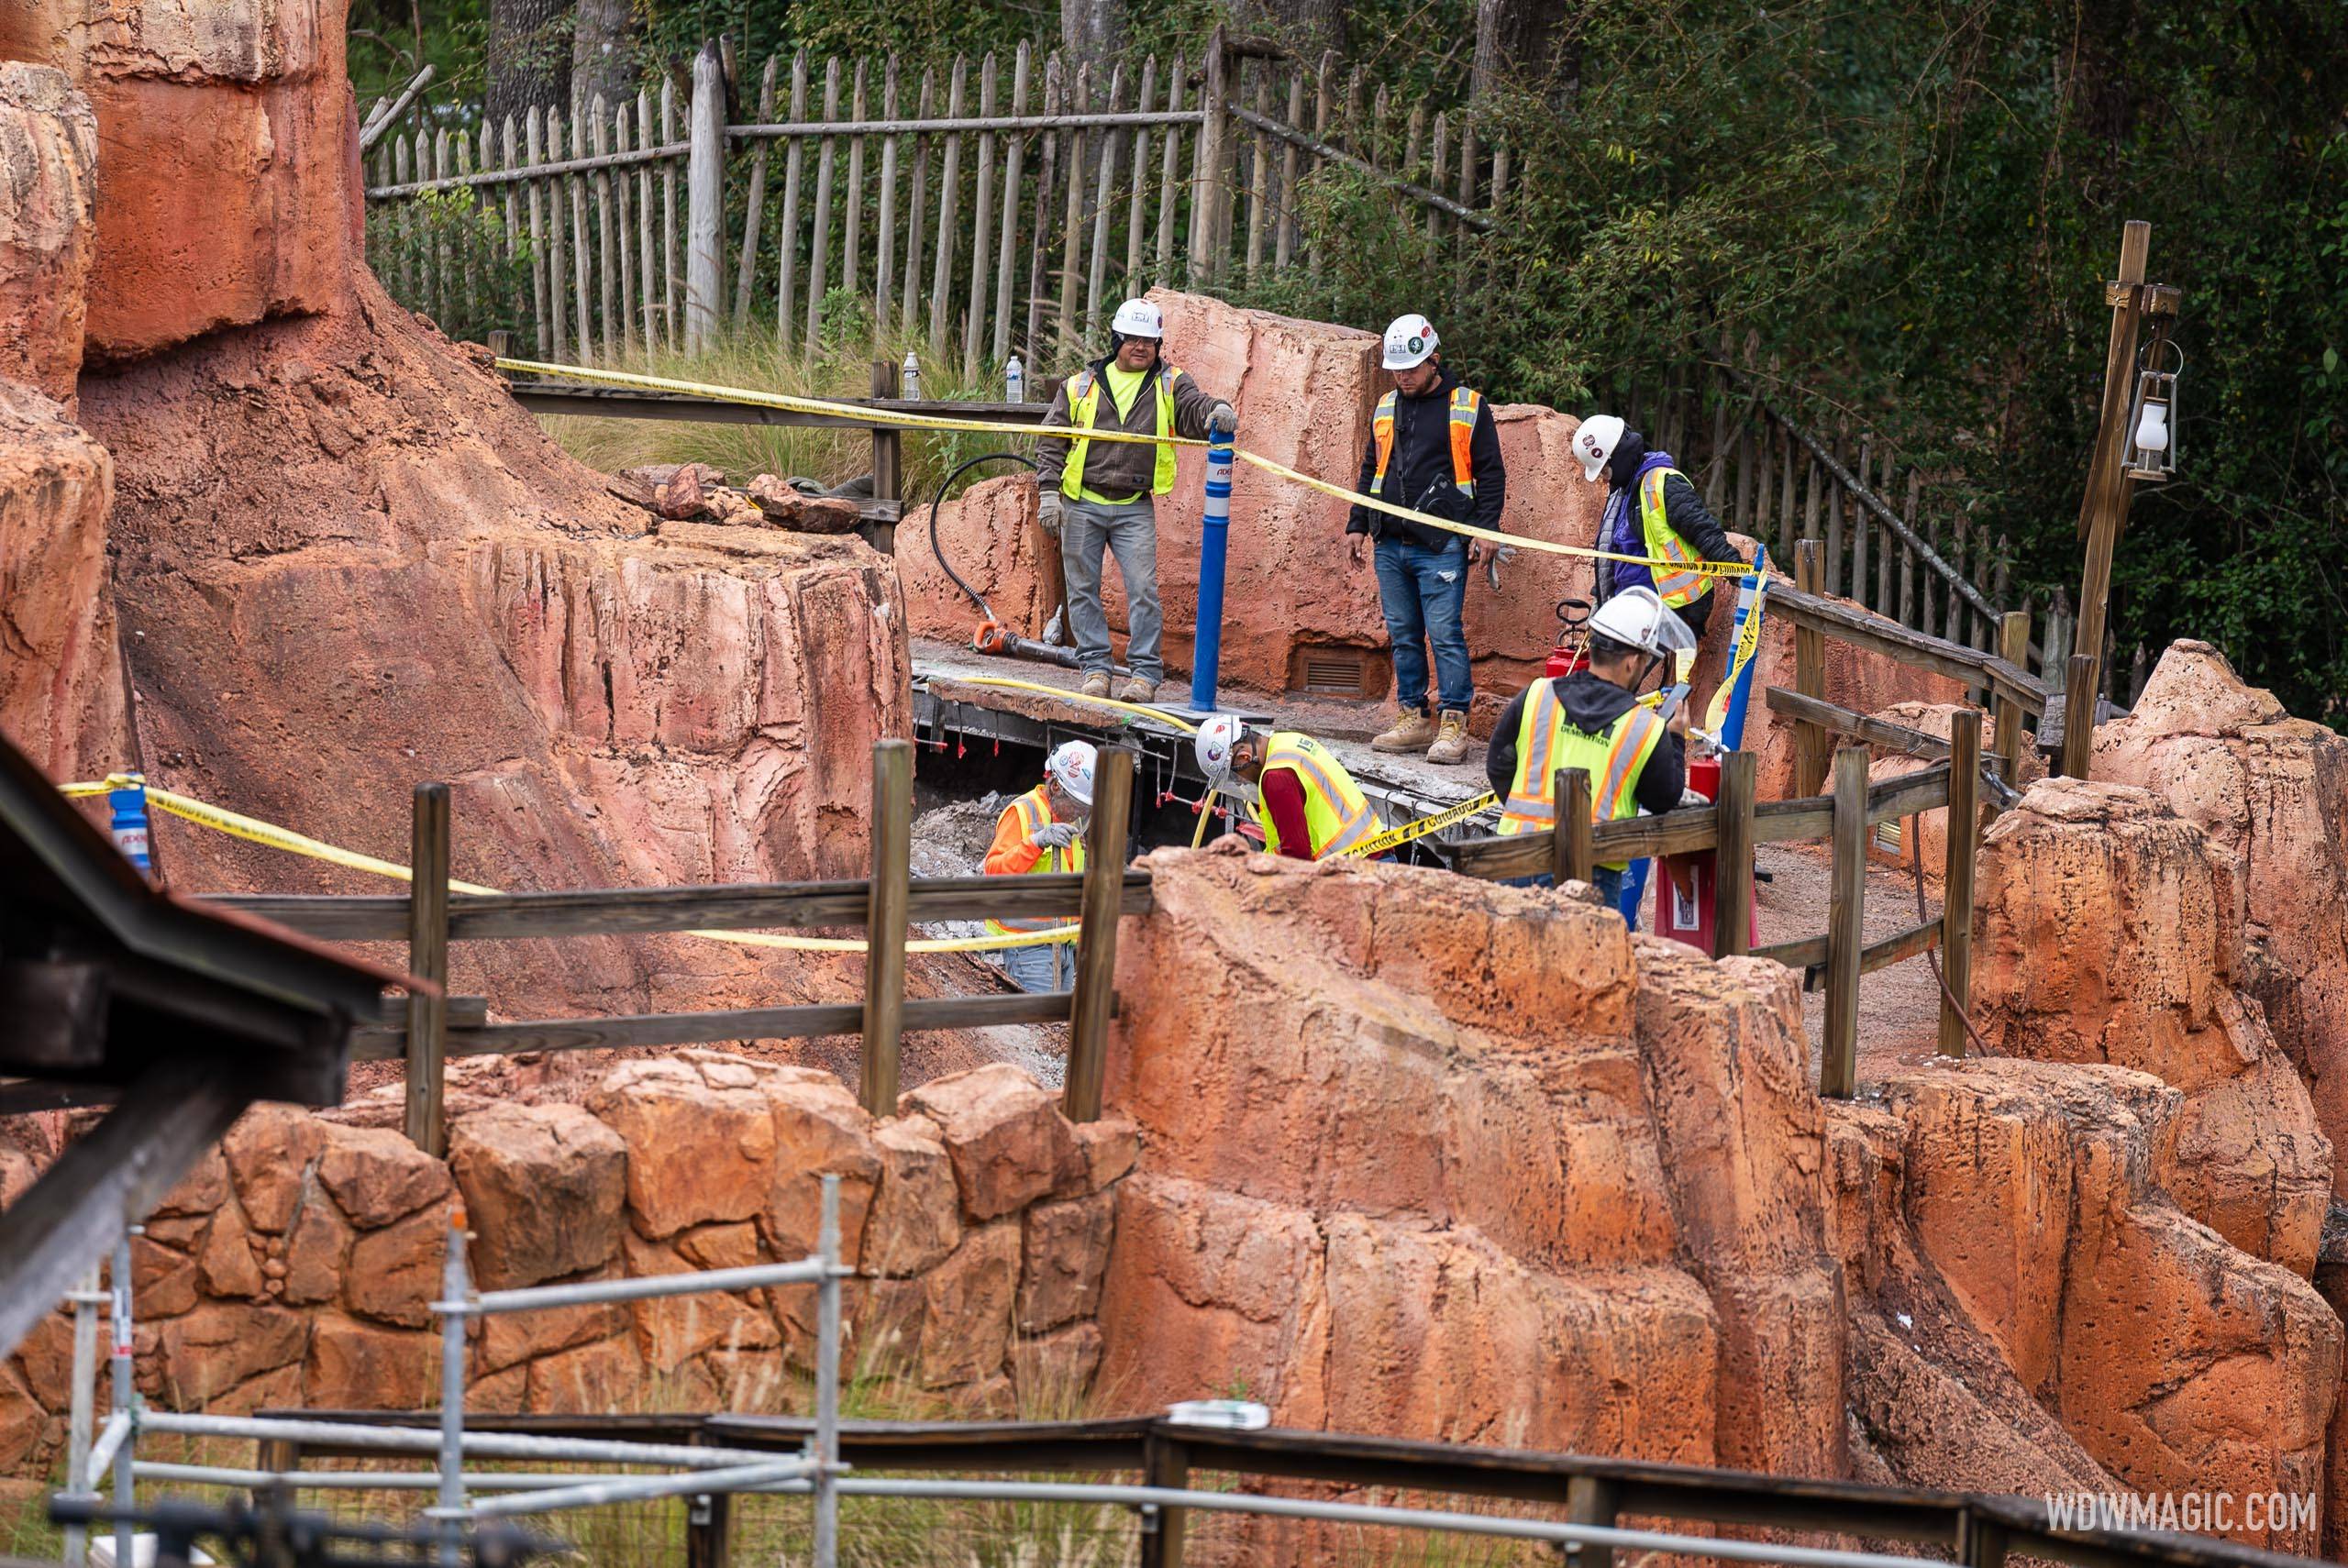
pixel 118 1428
pixel 425 1440
pixel 1359 1513
pixel 644 1288
pixel 456 1287
pixel 638 1488
pixel 827 1448
pixel 348 1480
pixel 86 1302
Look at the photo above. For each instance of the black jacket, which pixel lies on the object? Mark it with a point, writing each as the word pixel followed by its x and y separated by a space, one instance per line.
pixel 1683 508
pixel 1420 475
pixel 1590 705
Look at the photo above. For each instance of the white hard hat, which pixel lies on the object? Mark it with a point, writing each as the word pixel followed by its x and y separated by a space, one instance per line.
pixel 1071 768
pixel 1595 442
pixel 1410 341
pixel 1637 619
pixel 1215 739
pixel 1139 318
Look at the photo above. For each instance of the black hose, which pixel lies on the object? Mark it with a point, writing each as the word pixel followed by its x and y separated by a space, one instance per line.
pixel 986 610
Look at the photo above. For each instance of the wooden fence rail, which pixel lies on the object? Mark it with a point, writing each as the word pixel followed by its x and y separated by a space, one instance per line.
pixel 988 206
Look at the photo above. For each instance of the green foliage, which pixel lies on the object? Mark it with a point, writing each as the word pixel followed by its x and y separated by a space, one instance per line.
pixel 443 253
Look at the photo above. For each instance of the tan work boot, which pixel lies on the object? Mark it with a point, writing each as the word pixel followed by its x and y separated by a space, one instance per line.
pixel 1412 732
pixel 1451 740
pixel 1096 686
pixel 1138 690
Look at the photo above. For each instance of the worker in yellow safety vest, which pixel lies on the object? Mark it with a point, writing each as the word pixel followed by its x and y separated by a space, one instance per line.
pixel 1308 805
pixel 1652 512
pixel 1594 721
pixel 1039 832
pixel 1096 496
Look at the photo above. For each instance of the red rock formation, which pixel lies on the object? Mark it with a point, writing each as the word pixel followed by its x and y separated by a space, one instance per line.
pixel 2273 792
pixel 48 146
pixel 2110 931
pixel 61 697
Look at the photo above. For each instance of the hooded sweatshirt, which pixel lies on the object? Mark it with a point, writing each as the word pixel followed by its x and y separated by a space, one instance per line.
pixel 1682 507
pixel 1590 705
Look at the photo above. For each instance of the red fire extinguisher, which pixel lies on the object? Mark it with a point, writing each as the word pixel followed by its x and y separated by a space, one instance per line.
pixel 1684 892
pixel 1572 652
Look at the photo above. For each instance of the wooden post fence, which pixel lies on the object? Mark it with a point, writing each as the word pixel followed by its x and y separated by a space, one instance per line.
pixel 888 457
pixel 1573 856
pixel 1096 955
pixel 1733 860
pixel 2078 715
pixel 2013 647
pixel 884 962
pixel 1845 924
pixel 1957 880
pixel 704 201
pixel 1810 679
pixel 427 959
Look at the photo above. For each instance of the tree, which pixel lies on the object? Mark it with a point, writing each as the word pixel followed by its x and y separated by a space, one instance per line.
pixel 603 53
pixel 1092 32
pixel 528 57
pixel 1306 25
pixel 1534 44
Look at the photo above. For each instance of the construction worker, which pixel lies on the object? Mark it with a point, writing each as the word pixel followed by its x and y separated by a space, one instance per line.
pixel 1098 495
pixel 1433 449
pixel 1652 511
pixel 1306 802
pixel 1592 720
pixel 1043 831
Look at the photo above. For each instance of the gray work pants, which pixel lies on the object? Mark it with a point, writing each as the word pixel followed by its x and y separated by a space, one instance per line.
pixel 1088 530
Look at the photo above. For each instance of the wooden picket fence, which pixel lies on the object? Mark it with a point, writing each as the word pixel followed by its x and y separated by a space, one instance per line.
pixel 987 208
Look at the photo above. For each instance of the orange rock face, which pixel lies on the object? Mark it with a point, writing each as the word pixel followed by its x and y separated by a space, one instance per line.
pixel 48 148
pixel 2272 791
pixel 61 698
pixel 2111 931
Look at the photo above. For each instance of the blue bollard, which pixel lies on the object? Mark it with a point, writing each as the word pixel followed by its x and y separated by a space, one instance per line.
pixel 1750 601
pixel 130 824
pixel 1206 649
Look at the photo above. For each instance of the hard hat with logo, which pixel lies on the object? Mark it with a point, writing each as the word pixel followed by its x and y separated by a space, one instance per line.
pixel 1071 768
pixel 1595 442
pixel 1636 618
pixel 1215 739
pixel 1410 342
pixel 1137 318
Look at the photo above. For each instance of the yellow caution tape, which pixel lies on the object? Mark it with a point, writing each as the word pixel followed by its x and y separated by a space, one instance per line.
pixel 865 414
pixel 255 830
pixel 1381 843
pixel 1748 641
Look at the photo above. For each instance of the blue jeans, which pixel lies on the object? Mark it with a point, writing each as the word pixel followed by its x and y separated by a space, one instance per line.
pixel 1046 966
pixel 1090 529
pixel 1423 590
pixel 1605 878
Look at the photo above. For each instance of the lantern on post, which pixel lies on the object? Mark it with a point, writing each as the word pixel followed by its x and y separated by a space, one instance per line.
pixel 2152 425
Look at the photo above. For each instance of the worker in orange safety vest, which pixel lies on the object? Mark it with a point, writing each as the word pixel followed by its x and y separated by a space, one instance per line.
pixel 1043 831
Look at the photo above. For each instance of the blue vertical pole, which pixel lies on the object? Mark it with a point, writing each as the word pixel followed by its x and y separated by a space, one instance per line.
pixel 1206 649
pixel 1750 601
pixel 130 824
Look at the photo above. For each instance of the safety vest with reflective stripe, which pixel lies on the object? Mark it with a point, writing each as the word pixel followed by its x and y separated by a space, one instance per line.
pixel 1545 743
pixel 1464 404
pixel 1675 583
pixel 1083 406
pixel 1336 813
pixel 1034 811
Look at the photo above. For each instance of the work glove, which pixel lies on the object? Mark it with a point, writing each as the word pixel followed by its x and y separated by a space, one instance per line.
pixel 1055 835
pixel 1222 420
pixel 1047 511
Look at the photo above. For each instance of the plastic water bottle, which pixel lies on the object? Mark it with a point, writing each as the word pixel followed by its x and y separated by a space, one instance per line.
pixel 1014 382
pixel 911 388
pixel 130 824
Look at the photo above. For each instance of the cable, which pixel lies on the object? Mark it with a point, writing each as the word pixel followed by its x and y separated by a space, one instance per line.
pixel 986 610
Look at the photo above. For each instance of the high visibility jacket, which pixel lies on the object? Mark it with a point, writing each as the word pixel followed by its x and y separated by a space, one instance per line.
pixel 1546 743
pixel 1083 407
pixel 1336 813
pixel 1675 583
pixel 1464 404
pixel 1033 810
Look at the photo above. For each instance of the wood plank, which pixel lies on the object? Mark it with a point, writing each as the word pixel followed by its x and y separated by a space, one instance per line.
pixel 623 188
pixel 1956 885
pixel 794 169
pixel 819 236
pixel 1733 857
pixel 547 337
pixel 582 260
pixel 1858 726
pixel 1284 204
pixel 1007 250
pixel 673 278
pixel 1259 170
pixel 884 961
pixel 917 203
pixel 1169 170
pixel 637 911
pixel 1137 161
pixel 2013 647
pixel 1845 924
pixel 949 197
pixel 1863 533
pixel 884 233
pixel 1810 612
pixel 2079 699
pixel 1072 223
pixel 1096 952
pixel 609 300
pixel 427 959
pixel 1037 240
pixel 974 313
pixel 656 328
pixel 1105 181
pixel 1810 667
pixel 1325 106
pixel 755 205
pixel 1573 851
pixel 1909 793
pixel 853 241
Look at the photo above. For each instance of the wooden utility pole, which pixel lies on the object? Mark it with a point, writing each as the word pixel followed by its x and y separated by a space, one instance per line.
pixel 2103 511
pixel 884 960
pixel 427 960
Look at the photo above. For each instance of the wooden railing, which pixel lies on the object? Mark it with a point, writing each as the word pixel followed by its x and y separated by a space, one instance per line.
pixel 996 206
pixel 882 905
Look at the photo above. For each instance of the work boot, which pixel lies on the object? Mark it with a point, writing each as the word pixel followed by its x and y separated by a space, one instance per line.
pixel 1138 690
pixel 1096 684
pixel 1412 732
pixel 1451 741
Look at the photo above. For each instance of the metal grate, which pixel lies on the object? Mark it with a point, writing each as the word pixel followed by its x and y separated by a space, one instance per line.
pixel 1336 671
